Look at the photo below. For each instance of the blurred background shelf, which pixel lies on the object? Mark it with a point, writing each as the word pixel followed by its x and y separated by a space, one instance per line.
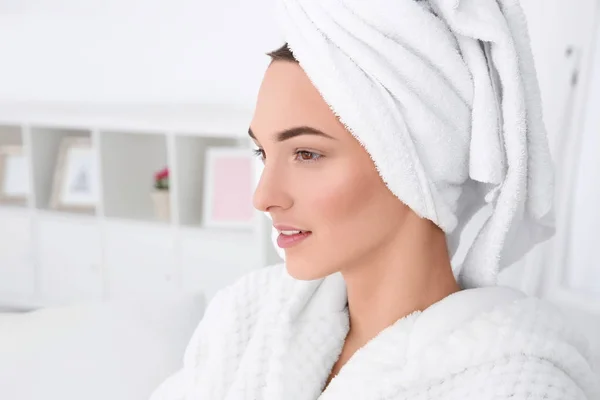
pixel 193 119
pixel 120 249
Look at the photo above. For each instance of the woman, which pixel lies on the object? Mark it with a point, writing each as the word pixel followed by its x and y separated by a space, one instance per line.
pixel 386 129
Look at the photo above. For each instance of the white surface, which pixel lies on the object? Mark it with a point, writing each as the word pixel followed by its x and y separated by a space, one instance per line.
pixel 211 258
pixel 118 350
pixel 70 251
pixel 547 270
pixel 77 258
pixel 134 51
pixel 198 119
pixel 584 271
pixel 17 275
pixel 567 265
pixel 139 259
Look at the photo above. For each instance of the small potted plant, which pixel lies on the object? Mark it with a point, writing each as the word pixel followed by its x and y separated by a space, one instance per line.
pixel 160 195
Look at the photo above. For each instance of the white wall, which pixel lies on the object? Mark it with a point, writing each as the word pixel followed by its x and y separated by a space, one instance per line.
pixel 584 271
pixel 134 51
pixel 555 26
pixel 195 50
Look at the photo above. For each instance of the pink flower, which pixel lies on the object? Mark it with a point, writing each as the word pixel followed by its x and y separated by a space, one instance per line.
pixel 162 174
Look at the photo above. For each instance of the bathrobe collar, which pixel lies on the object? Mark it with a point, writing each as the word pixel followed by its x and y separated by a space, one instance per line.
pixel 305 324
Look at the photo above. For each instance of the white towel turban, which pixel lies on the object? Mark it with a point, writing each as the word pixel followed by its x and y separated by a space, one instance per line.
pixel 444 97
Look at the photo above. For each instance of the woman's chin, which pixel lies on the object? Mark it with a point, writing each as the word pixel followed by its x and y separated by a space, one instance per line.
pixel 304 270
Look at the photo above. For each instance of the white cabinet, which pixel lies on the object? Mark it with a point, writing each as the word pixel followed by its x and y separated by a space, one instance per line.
pixel 70 258
pixel 17 274
pixel 121 248
pixel 82 258
pixel 139 259
pixel 212 259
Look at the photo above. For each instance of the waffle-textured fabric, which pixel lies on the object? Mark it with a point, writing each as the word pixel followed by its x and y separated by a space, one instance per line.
pixel 271 337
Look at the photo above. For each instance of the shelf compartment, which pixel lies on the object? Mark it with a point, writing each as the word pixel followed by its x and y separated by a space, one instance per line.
pixel 10 135
pixel 190 156
pixel 45 155
pixel 128 163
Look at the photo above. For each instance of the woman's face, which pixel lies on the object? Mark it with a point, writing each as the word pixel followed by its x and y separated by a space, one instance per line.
pixel 325 184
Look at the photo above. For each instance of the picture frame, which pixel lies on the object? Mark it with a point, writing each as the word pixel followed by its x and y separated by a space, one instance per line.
pixel 14 175
pixel 229 176
pixel 75 184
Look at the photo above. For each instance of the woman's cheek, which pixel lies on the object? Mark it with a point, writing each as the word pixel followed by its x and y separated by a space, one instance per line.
pixel 338 198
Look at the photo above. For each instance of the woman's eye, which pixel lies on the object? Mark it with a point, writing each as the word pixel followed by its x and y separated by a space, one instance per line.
pixel 260 153
pixel 301 155
pixel 305 155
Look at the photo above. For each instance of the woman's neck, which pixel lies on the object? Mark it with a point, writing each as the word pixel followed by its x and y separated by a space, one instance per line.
pixel 409 273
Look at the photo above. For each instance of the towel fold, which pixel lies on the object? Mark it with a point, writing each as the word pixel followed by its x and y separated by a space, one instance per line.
pixel 443 95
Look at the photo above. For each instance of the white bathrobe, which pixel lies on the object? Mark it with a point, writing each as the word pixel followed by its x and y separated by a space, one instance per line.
pixel 271 337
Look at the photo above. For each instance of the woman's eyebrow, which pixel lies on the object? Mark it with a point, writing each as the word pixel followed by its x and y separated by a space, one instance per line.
pixel 293 132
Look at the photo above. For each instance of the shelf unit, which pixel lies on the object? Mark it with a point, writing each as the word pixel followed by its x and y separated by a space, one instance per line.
pixel 50 257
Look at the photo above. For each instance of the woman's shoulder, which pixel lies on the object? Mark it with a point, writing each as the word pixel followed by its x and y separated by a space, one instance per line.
pixel 501 333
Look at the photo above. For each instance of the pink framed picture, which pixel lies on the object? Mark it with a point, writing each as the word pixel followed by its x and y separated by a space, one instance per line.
pixel 229 185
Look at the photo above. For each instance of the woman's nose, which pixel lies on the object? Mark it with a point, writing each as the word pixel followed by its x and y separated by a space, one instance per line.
pixel 271 191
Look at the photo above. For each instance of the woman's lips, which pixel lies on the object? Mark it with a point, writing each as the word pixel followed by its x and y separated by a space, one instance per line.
pixel 287 241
